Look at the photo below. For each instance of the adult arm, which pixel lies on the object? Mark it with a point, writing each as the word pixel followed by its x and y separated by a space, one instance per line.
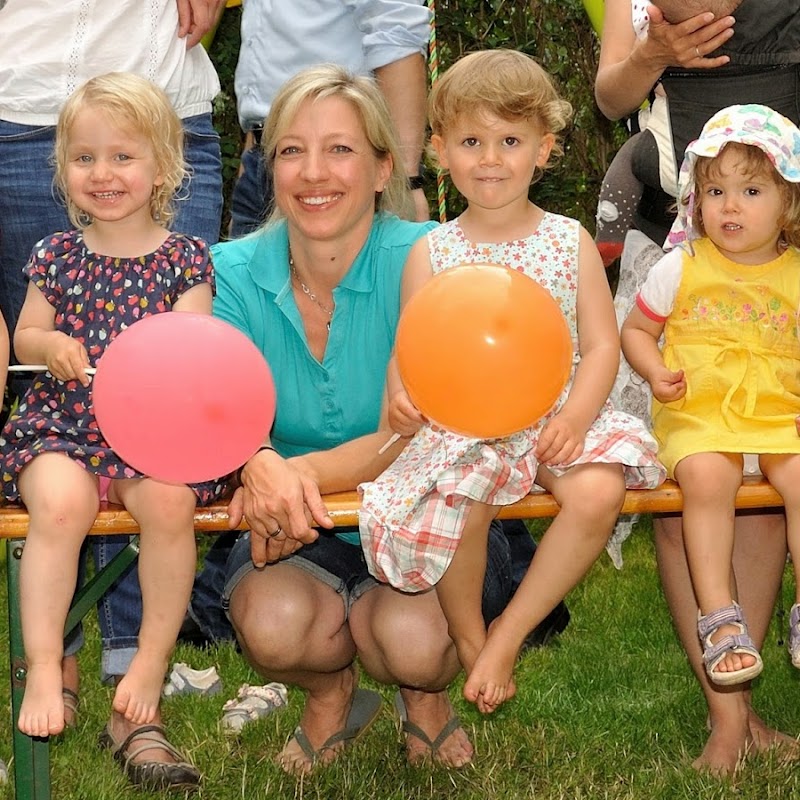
pixel 281 498
pixel 629 67
pixel 404 85
pixel 395 37
pixel 196 18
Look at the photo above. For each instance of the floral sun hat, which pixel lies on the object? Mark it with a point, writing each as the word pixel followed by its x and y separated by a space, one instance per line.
pixel 751 124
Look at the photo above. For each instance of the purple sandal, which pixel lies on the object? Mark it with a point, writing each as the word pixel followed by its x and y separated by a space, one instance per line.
pixel 715 652
pixel 794 635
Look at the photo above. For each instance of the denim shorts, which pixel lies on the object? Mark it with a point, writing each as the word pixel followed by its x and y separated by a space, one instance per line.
pixel 341 566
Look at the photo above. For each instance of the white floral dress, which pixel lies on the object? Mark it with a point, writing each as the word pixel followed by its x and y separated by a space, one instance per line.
pixel 413 515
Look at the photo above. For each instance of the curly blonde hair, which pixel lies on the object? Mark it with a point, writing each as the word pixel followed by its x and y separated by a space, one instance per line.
pixel 505 83
pixel 127 99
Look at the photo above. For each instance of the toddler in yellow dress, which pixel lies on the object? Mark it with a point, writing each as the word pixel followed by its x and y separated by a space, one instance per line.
pixel 727 380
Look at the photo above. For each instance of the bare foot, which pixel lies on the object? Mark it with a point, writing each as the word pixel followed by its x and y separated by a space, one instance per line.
pixel 70 680
pixel 42 711
pixel 431 711
pixel 139 691
pixel 727 744
pixel 324 714
pixel 491 681
pixel 765 738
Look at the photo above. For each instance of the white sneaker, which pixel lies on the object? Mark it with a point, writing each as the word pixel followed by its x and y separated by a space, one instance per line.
pixel 185 680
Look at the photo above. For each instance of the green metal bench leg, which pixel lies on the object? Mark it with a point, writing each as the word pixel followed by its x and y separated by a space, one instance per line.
pixel 32 756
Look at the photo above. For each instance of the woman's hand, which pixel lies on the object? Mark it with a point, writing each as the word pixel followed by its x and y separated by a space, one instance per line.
pixel 280 501
pixel 66 358
pixel 686 44
pixel 404 416
pixel 561 441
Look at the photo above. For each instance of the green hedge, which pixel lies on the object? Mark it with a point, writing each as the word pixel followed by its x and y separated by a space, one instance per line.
pixel 556 32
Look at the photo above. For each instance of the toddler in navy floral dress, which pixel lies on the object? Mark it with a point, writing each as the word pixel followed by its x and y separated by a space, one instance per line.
pixel 119 162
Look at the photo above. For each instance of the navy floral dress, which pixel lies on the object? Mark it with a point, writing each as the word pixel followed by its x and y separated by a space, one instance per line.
pixel 95 297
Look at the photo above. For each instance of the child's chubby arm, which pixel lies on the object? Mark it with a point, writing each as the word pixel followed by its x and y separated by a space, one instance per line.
pixel 198 299
pixel 403 416
pixel 640 335
pixel 562 438
pixel 36 341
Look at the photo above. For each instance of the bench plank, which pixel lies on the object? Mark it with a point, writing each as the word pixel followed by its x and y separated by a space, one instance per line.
pixel 755 492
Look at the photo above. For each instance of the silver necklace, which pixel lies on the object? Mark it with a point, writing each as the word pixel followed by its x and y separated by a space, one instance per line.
pixel 306 291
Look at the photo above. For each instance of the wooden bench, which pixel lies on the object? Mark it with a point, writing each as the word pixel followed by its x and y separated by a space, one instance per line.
pixel 31 756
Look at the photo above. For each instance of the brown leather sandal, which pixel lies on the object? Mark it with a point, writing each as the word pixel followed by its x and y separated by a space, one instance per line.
pixel 151 775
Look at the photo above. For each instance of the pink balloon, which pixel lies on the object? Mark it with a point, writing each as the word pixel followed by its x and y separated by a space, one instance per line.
pixel 183 397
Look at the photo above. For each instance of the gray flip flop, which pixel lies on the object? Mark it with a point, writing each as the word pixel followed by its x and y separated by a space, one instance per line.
pixel 363 712
pixel 411 728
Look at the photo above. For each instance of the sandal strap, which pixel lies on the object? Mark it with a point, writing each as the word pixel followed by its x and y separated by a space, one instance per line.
pixel 732 643
pixel 152 737
pixel 711 622
pixel 71 699
pixel 452 725
pixel 305 745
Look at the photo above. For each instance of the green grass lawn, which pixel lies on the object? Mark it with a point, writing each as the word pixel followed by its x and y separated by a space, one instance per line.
pixel 609 711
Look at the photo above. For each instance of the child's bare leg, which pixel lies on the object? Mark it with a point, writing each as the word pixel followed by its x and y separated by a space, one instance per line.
pixel 62 501
pixel 783 472
pixel 460 592
pixel 590 496
pixel 167 560
pixel 709 482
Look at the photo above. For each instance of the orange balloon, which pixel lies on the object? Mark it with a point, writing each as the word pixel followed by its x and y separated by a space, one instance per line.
pixel 483 350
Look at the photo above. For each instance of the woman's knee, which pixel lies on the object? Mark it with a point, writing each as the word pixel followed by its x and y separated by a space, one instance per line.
pixel 277 623
pixel 385 624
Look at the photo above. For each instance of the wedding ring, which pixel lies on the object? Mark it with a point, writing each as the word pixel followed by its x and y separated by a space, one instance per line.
pixel 697 50
pixel 275 533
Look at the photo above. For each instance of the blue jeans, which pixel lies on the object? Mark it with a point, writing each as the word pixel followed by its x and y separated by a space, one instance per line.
pixel 252 196
pixel 30 209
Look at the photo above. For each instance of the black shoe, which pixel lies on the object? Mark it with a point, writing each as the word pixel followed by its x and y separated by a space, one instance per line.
pixel 553 624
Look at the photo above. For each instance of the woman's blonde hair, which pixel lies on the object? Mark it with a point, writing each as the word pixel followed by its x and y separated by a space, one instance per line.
pixel 332 80
pixel 505 83
pixel 754 162
pixel 127 99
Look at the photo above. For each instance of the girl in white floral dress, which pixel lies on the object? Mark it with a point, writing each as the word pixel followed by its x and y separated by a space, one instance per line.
pixel 495 117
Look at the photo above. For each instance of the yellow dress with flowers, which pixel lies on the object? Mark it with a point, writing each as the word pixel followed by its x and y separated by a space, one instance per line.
pixel 733 330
